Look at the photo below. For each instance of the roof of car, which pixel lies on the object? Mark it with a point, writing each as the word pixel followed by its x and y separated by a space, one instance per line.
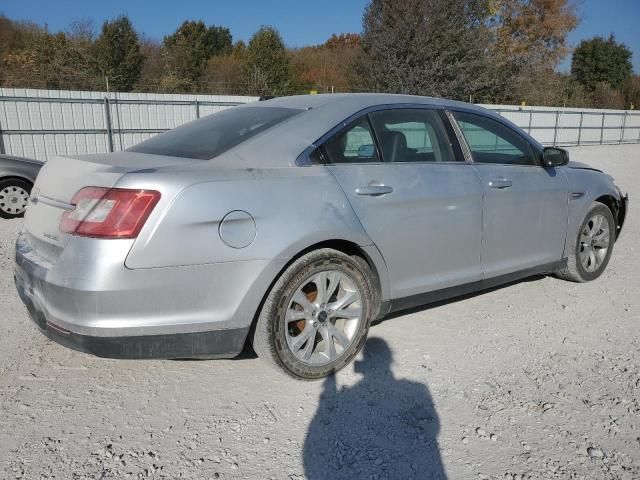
pixel 282 144
pixel 361 100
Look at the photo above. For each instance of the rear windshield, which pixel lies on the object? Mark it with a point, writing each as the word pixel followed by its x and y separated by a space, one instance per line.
pixel 215 134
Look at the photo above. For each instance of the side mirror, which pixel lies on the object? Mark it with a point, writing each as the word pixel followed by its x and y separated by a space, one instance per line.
pixel 554 157
pixel 366 151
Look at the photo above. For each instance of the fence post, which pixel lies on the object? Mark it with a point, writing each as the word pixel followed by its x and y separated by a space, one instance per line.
pixel 107 120
pixel 197 105
pixel 602 129
pixel 624 123
pixel 530 121
pixel 555 128
pixel 580 127
pixel 2 150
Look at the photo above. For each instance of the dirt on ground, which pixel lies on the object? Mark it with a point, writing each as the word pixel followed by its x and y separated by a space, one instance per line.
pixel 535 380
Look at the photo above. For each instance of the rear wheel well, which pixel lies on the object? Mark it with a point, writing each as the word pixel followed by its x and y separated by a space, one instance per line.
pixel 348 248
pixel 15 177
pixel 344 246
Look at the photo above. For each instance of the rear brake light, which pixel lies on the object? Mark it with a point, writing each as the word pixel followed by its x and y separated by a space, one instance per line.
pixel 109 212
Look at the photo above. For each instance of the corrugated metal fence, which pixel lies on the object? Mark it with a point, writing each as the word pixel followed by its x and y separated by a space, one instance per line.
pixel 44 123
pixel 574 126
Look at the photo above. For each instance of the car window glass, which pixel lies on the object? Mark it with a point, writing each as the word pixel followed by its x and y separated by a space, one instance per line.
pixel 492 142
pixel 213 135
pixel 412 135
pixel 353 144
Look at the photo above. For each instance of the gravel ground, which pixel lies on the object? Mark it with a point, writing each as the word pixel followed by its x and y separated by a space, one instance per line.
pixel 536 380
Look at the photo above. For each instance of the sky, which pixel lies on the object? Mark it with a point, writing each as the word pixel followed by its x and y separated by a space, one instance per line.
pixel 300 23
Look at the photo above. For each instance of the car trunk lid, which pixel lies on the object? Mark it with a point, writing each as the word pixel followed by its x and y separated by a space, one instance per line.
pixel 62 177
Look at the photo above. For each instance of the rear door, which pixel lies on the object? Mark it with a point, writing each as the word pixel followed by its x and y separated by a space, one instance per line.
pixel 525 205
pixel 417 199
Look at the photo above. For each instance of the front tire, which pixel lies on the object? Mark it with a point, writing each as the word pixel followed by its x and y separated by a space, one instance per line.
pixel 14 197
pixel 316 317
pixel 591 249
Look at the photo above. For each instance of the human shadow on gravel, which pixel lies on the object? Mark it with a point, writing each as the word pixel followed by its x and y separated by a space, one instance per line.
pixel 380 428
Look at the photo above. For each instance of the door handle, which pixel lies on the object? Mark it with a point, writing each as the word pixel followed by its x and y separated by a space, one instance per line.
pixel 374 190
pixel 500 183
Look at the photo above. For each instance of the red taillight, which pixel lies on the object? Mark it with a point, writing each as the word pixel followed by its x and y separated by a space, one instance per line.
pixel 109 212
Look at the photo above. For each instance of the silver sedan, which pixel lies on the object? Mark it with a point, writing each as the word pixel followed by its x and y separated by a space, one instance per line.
pixel 294 222
pixel 16 180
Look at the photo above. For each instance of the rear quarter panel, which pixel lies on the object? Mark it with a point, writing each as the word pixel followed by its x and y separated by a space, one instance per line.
pixel 293 209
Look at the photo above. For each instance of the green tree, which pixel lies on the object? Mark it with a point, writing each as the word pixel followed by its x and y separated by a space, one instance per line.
pixel 597 61
pixel 117 54
pixel 191 46
pixel 427 47
pixel 267 63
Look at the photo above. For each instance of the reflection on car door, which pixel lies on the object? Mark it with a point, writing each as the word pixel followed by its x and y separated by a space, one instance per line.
pixel 420 206
pixel 525 205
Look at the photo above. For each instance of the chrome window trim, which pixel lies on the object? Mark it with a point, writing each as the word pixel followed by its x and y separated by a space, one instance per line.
pixel 463 141
pixel 466 151
pixel 304 159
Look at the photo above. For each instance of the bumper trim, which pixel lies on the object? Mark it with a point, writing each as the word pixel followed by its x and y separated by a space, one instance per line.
pixel 210 345
pixel 207 345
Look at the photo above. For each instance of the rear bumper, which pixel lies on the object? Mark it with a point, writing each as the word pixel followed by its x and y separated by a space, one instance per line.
pixel 212 344
pixel 154 313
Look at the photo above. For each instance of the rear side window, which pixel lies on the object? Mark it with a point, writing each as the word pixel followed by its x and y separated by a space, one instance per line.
pixel 492 142
pixel 412 135
pixel 215 134
pixel 353 144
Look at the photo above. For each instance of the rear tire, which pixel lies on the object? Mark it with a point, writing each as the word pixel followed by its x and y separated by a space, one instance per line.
pixel 591 248
pixel 309 331
pixel 14 197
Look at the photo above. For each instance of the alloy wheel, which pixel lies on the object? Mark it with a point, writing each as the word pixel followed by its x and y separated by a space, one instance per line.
pixel 594 243
pixel 322 317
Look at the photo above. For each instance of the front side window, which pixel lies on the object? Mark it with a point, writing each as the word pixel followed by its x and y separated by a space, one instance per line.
pixel 492 142
pixel 353 144
pixel 213 135
pixel 412 135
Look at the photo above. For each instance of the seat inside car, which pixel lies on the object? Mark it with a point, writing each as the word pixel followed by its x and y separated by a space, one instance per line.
pixel 394 146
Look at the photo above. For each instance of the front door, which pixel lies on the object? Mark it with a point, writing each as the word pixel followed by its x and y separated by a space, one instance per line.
pixel 525 205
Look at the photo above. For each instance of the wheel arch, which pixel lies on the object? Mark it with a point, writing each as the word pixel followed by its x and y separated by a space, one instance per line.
pixel 369 254
pixel 349 248
pixel 16 177
pixel 617 208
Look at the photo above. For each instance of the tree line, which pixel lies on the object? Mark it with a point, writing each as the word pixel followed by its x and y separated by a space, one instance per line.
pixel 491 51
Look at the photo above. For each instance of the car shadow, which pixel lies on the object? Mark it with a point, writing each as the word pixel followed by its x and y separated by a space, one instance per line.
pixel 382 427
pixel 428 306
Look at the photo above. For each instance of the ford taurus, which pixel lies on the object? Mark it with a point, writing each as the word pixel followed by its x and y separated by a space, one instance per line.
pixel 294 222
